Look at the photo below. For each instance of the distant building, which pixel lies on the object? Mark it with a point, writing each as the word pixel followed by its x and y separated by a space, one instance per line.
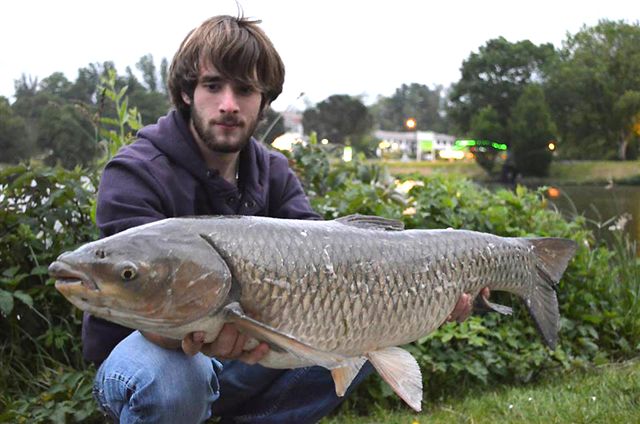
pixel 421 145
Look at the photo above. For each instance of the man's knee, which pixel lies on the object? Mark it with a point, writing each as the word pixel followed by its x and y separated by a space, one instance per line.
pixel 155 384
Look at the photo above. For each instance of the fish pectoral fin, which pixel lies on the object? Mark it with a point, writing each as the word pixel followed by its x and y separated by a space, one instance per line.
pixel 482 304
pixel 344 375
pixel 261 331
pixel 397 367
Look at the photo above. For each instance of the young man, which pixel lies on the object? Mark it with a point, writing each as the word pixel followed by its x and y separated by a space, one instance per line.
pixel 201 159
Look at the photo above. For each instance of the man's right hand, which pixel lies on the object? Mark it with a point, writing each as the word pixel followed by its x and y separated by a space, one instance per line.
pixel 228 345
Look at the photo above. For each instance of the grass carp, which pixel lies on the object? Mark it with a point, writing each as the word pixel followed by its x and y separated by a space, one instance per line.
pixel 329 293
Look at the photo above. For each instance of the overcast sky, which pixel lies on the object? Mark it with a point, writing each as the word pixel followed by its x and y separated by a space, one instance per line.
pixel 329 47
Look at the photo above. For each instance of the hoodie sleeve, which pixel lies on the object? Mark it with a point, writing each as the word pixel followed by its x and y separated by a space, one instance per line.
pixel 287 198
pixel 128 196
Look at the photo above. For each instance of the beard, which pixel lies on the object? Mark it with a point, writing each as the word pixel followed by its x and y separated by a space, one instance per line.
pixel 223 143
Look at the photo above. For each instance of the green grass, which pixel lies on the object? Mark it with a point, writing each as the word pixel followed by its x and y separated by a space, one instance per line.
pixel 609 394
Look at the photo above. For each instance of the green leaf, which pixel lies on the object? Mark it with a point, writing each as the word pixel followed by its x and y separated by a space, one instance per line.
pixel 24 298
pixel 6 302
pixel 40 270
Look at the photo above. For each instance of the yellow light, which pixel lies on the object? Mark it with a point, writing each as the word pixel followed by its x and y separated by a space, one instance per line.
pixel 411 123
pixel 452 154
pixel 551 146
pixel 384 144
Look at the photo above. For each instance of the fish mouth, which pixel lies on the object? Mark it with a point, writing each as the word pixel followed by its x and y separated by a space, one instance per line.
pixel 68 278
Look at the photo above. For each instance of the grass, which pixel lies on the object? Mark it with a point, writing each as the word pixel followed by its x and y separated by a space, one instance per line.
pixel 609 394
pixel 577 172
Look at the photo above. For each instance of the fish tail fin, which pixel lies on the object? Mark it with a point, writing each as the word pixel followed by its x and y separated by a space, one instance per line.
pixel 552 257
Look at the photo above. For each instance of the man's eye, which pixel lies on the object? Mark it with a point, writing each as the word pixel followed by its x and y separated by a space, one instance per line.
pixel 245 90
pixel 212 86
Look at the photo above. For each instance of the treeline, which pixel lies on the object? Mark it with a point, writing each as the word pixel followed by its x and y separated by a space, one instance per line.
pixel 584 95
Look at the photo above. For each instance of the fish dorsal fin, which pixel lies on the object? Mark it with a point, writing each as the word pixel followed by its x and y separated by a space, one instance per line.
pixel 398 368
pixel 371 222
pixel 261 331
pixel 344 375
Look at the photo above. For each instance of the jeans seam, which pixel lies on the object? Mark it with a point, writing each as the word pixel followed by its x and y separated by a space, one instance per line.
pixel 129 390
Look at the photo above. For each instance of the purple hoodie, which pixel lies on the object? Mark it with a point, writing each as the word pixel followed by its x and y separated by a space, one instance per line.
pixel 162 175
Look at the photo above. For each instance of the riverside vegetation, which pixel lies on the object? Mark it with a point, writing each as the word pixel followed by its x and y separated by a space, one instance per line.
pixel 45 211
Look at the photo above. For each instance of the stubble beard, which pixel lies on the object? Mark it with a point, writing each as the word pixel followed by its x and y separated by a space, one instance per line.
pixel 205 132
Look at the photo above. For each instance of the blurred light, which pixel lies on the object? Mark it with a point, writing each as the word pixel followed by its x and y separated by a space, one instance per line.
pixel 452 154
pixel 347 154
pixel 405 186
pixel 324 141
pixel 411 123
pixel 410 211
pixel 552 146
pixel 286 141
pixel 384 144
pixel 553 192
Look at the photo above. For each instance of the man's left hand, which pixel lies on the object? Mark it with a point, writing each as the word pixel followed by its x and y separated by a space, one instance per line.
pixel 464 307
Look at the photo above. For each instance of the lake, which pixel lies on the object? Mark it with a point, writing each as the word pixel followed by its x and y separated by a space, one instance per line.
pixel 602 206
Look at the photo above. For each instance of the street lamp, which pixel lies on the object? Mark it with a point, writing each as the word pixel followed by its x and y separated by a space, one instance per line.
pixel 410 123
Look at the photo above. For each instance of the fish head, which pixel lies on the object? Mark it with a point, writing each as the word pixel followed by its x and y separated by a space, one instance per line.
pixel 153 277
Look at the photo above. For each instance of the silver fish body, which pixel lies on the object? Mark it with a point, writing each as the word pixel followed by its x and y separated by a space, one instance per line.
pixel 331 293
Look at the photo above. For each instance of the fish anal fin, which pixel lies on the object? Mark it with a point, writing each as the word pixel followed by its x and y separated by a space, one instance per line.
pixel 400 370
pixel 344 375
pixel 482 304
pixel 261 331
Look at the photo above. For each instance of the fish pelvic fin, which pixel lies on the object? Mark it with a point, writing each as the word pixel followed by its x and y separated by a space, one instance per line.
pixel 552 257
pixel 286 342
pixel 400 370
pixel 344 375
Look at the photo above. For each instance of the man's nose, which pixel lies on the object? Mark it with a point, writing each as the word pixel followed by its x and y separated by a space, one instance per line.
pixel 228 101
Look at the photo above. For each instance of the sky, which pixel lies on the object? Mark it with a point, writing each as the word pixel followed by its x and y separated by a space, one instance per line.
pixel 361 48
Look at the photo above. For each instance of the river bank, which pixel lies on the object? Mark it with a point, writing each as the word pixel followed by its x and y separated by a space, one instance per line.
pixel 561 172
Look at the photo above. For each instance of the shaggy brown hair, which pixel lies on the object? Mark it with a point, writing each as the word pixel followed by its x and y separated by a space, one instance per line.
pixel 237 48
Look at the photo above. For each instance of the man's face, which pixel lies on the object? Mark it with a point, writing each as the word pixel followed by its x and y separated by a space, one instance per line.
pixel 224 114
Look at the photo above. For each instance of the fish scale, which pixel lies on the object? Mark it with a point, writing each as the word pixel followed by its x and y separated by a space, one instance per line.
pixel 330 293
pixel 391 296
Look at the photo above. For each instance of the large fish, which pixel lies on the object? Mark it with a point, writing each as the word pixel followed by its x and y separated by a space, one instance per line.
pixel 330 293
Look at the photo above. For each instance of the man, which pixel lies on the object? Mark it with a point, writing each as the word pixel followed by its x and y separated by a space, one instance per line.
pixel 200 159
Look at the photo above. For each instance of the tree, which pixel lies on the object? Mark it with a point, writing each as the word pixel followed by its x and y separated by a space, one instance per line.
pixel 627 113
pixel 273 123
pixel 598 66
pixel 341 119
pixel 532 129
pixel 496 76
pixel 67 136
pixel 485 125
pixel 15 145
pixel 410 101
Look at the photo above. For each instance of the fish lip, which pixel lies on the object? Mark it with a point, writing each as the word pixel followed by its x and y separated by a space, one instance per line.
pixel 66 276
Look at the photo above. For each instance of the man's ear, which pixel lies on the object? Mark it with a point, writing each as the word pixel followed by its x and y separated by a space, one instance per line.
pixel 186 98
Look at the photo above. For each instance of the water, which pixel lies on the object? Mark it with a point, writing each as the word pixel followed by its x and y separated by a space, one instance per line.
pixel 602 206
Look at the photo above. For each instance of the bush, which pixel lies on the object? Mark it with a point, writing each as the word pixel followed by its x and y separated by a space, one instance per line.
pixel 45 211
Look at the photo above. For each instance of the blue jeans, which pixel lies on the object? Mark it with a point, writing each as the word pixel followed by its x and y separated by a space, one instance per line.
pixel 144 383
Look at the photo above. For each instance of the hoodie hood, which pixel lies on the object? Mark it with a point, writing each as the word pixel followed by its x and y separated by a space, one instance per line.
pixel 171 136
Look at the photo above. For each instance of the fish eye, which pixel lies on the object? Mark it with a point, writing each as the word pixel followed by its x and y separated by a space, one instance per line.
pixel 128 272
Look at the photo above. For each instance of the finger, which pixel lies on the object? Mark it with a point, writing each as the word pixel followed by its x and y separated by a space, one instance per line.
pixel 238 348
pixel 224 344
pixel 254 356
pixel 192 343
pixel 485 293
pixel 460 308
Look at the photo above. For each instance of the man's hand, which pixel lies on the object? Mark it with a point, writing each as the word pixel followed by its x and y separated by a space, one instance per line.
pixel 464 307
pixel 228 345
